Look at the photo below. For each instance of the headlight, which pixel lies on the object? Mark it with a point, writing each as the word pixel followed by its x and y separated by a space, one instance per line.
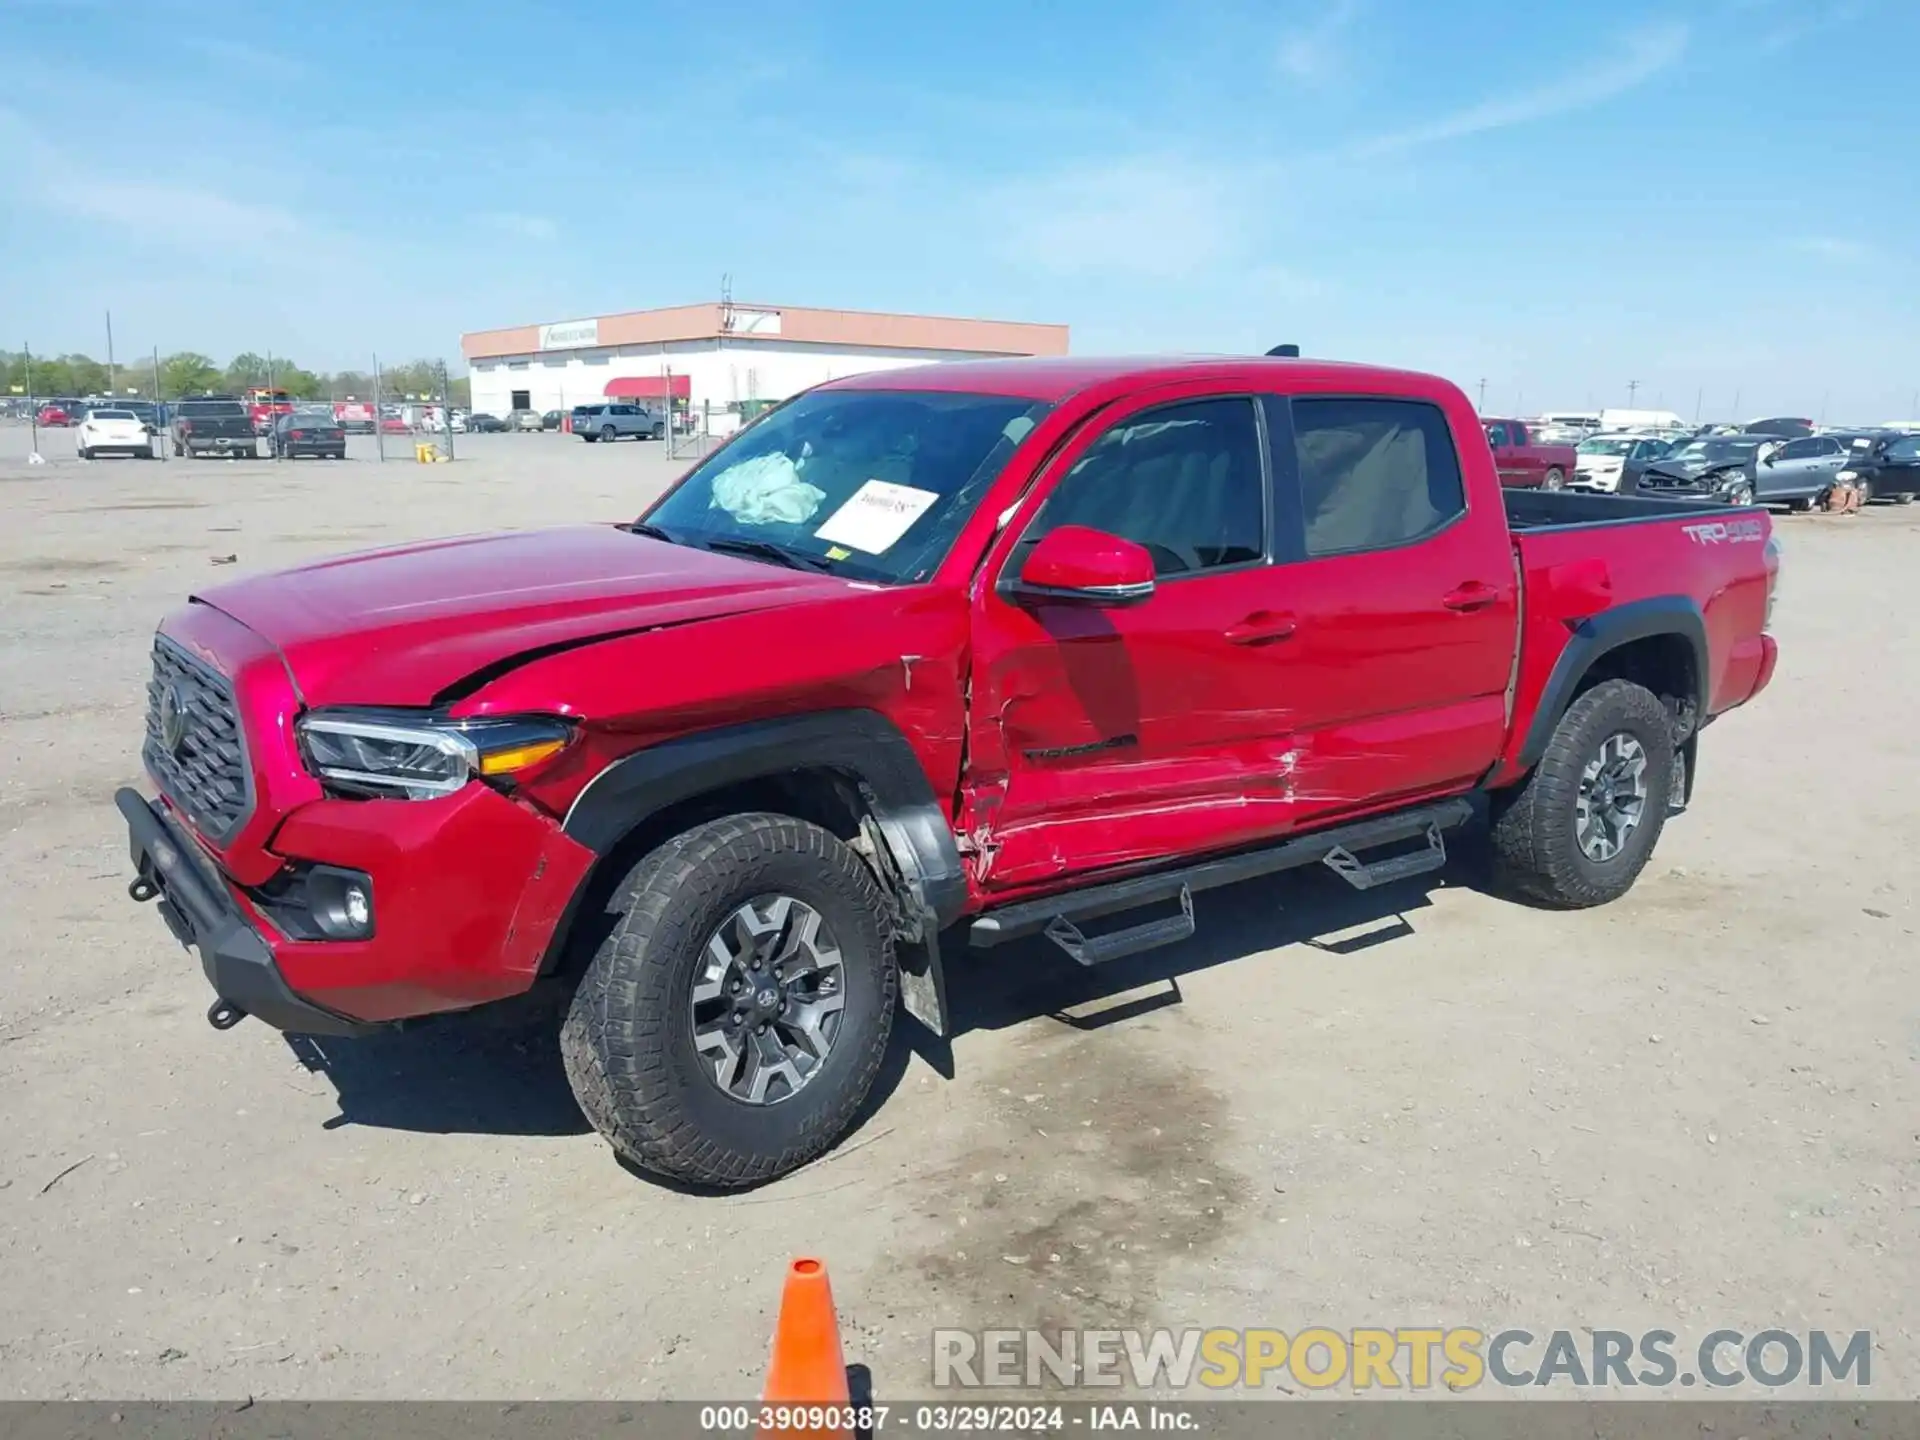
pixel 383 753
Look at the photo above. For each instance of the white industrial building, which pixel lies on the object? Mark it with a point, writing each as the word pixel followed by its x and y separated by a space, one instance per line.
pixel 713 356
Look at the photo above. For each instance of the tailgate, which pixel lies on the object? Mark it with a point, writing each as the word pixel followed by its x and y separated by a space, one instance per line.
pixel 1643 568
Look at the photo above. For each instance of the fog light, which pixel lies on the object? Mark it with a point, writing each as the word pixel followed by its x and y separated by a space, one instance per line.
pixel 340 902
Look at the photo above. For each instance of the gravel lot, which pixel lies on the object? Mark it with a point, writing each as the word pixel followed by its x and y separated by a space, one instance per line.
pixel 1693 1109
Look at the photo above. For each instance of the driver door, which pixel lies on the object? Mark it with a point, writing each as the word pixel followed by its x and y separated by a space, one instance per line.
pixel 1103 735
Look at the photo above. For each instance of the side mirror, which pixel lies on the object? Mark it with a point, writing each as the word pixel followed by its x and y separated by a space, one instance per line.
pixel 1078 565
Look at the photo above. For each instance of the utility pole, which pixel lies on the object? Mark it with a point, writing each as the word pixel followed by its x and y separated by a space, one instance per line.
pixel 1483 395
pixel 1699 399
pixel 165 447
pixel 379 420
pixel 33 410
pixel 112 382
pixel 1735 417
pixel 1633 388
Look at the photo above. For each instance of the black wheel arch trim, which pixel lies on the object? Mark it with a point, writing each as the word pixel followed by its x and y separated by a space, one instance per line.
pixel 861 744
pixel 1599 634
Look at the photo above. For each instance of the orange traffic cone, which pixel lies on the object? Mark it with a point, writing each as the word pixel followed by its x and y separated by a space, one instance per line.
pixel 807 1369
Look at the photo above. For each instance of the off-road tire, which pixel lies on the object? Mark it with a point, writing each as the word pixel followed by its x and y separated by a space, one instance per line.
pixel 1536 845
pixel 627 1041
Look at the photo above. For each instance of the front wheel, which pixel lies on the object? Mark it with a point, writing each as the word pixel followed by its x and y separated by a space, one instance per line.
pixel 732 1021
pixel 85 453
pixel 1554 479
pixel 1581 827
pixel 1740 493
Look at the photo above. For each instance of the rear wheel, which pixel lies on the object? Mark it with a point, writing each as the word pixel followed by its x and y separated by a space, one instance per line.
pixel 659 431
pixel 1800 506
pixel 730 1025
pixel 85 453
pixel 1903 499
pixel 1554 479
pixel 609 434
pixel 1580 828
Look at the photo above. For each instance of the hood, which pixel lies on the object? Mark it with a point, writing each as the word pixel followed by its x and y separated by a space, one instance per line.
pixel 401 626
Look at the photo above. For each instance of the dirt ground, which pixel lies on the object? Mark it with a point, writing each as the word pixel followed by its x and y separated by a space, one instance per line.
pixel 1697 1108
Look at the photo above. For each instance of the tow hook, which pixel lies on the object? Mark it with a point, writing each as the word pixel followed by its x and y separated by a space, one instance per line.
pixel 224 1015
pixel 143 889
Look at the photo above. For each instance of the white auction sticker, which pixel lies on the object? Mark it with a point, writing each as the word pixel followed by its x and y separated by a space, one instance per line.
pixel 878 514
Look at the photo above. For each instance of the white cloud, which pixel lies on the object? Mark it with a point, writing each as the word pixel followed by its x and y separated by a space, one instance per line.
pixel 1312 54
pixel 525 227
pixel 1642 56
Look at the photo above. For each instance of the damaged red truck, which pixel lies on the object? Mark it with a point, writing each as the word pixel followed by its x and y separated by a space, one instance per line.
pixel 963 652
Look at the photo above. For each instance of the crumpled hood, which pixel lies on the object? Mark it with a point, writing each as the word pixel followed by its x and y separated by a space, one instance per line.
pixel 402 626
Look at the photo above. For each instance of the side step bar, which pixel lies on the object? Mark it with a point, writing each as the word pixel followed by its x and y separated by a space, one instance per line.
pixel 1059 916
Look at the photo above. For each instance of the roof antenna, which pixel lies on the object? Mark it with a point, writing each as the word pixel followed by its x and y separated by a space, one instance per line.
pixel 1286 352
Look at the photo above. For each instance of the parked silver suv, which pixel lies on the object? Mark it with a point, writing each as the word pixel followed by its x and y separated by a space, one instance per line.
pixel 615 419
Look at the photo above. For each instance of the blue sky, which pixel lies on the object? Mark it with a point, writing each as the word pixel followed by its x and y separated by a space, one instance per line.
pixel 1556 196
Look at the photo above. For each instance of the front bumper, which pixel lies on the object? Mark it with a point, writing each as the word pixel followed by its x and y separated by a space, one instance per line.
pixel 470 892
pixel 202 914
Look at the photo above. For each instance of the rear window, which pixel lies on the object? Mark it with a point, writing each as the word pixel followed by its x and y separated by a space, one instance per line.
pixel 113 415
pixel 1373 473
pixel 213 409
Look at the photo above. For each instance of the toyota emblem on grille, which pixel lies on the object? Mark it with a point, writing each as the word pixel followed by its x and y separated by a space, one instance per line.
pixel 173 718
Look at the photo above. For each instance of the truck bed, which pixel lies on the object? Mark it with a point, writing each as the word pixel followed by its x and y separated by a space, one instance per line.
pixel 1595 569
pixel 1529 510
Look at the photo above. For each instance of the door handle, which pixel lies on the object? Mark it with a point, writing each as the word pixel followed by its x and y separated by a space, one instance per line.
pixel 1262 626
pixel 1474 595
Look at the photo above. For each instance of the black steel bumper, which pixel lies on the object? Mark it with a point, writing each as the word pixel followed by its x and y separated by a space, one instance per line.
pixel 202 916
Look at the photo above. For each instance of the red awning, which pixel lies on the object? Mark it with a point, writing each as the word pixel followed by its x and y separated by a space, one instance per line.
pixel 646 387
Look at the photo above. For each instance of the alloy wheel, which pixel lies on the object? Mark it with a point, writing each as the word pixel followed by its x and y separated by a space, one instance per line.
pixel 768 1000
pixel 1613 797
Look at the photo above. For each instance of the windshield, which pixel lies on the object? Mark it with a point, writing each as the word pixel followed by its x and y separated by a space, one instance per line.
pixel 1717 450
pixel 1605 447
pixel 871 484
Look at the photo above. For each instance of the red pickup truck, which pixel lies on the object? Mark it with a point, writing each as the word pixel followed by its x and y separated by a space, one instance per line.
pixel 971 651
pixel 1524 460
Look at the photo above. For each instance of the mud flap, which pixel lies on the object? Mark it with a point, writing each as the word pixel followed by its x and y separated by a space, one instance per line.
pixel 923 983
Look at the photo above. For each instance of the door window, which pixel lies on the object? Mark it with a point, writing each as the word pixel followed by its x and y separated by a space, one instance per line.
pixel 1374 474
pixel 1799 450
pixel 1185 482
pixel 1496 436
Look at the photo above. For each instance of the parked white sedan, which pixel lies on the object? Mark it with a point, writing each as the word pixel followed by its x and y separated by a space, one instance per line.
pixel 113 432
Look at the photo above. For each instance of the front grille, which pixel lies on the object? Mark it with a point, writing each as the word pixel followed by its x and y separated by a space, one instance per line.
pixel 194 748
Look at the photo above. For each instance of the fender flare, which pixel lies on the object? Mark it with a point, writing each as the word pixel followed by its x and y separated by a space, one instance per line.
pixel 1609 630
pixel 861 744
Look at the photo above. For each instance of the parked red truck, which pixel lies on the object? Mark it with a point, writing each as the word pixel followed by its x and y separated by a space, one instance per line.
pixel 1523 460
pixel 976 651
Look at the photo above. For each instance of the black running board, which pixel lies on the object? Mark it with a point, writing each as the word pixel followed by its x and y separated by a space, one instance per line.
pixel 1059 916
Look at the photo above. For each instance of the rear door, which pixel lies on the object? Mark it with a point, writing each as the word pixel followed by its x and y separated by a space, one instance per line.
pixel 1397 676
pixel 1528 463
pixel 1101 737
pixel 1799 467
